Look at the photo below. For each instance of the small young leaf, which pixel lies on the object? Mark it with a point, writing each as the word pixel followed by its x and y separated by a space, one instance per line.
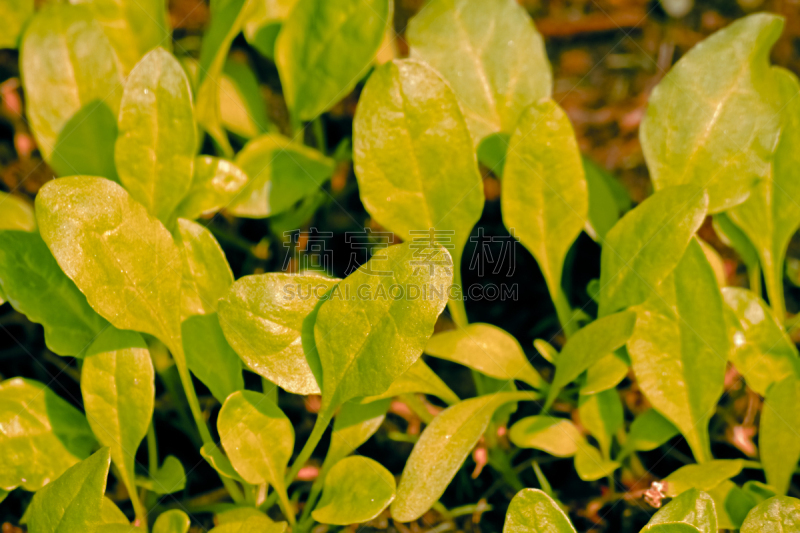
pixel 779 439
pixel 86 143
pixel 206 273
pixel 354 424
pixel 215 184
pixel 67 63
pixel 590 465
pixel 418 379
pixel 603 207
pixel 556 436
pixel 492 152
pixel 692 507
pixel 241 103
pixel 15 15
pixel 357 489
pixel 487 349
pixel 118 389
pixel 605 374
pixel 679 348
pixel 648 431
pixel 703 476
pixel 258 439
pixel 210 357
pixel 219 462
pixel 35 286
pixel 731 235
pixel 170 477
pixel 711 122
pixel 156 134
pixel 45 435
pixel 545 199
pixel 263 317
pixel 490 53
pixel 281 173
pixel 732 504
pixel 762 352
pixel 264 22
pixel 174 521
pixel 780 514
pixel 73 502
pixel 17 214
pixel 442 448
pixel 414 159
pixel 646 245
pixel 324 48
pixel 588 346
pixel 365 343
pixel 602 416
pixel 533 511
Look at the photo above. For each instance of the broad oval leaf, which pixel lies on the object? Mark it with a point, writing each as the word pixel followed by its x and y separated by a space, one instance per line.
pixel 281 173
pixel 174 521
pixel 263 317
pixel 545 199
pixel 210 357
pixel 646 245
pixel 605 374
pixel 207 275
pixel 702 476
pixel 692 507
pixel 168 478
pixel 487 349
pixel 74 501
pixel 490 53
pixel 711 122
pixel 118 389
pixel 780 514
pixel 414 159
pixel 67 64
pixel 15 15
pixel 533 511
pixel 779 433
pixel 441 450
pixel 367 335
pixel 556 436
pixel 648 431
pixel 324 48
pixel 353 425
pixel 17 214
pixel 156 144
pixel 215 184
pixel 42 435
pixel 590 465
pixel 418 379
pixel 357 489
pixel 589 345
pixel 679 348
pixel 121 258
pixel 35 286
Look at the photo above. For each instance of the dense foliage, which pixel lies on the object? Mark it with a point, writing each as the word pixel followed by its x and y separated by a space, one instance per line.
pixel 141 299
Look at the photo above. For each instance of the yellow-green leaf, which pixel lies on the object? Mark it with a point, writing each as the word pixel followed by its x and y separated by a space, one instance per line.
pixel 533 511
pixel 16 213
pixel 215 185
pixel 648 431
pixel 15 15
pixel 602 416
pixel 556 436
pixel 418 379
pixel 692 507
pixel 356 489
pixel 174 521
pixel 210 357
pixel 780 514
pixel 703 476
pixel 206 273
pixel 779 433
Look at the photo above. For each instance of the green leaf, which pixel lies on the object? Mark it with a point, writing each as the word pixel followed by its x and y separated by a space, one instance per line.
pixel 219 461
pixel 487 349
pixel 169 478
pixel 34 284
pixel 712 120
pixel 759 491
pixel 121 258
pixel 732 504
pixel 779 433
pixel 210 357
pixel 258 439
pixel 353 425
pixel 590 465
pixel 174 521
pixel 281 173
pixel 254 524
pixel 324 48
pixel 264 23
pixel 673 528
pixel 545 198
pixel 703 476
pixel 732 236
pixel 533 511
pixel 133 27
pixel 206 273
pixel 17 214
pixel 215 185
pixel 603 207
pixel 762 351
pixel 557 436
pixel 679 348
pixel 490 53
pixel 648 431
pixel 441 449
pixel 589 345
pixel 418 379
pixel 413 157
pixel 692 507
pixel 646 245
pixel 118 389
pixel 492 152
pixel 67 63
pixel 771 214
pixel 780 514
pixel 263 317
pixel 72 503
pixel 352 335
pixel 605 374
pixel 43 435
pixel 242 106
pixel 357 489
pixel 156 134
pixel 85 145
pixel 15 16
pixel 602 416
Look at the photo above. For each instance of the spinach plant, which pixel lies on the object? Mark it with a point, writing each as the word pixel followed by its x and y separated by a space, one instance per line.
pixel 118 265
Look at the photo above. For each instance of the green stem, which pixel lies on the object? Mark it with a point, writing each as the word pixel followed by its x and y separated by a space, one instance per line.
pixel 319 135
pixel 458 312
pixel 564 312
pixel 152 450
pixel 323 420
